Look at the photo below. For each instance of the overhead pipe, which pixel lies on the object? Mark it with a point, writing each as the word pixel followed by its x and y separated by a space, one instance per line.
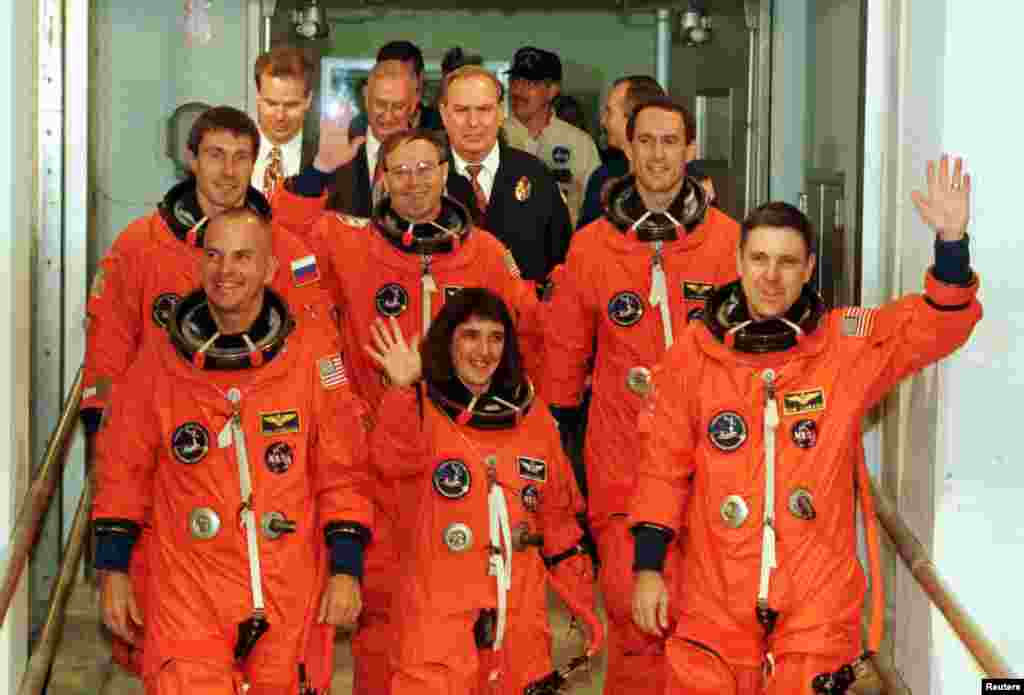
pixel 751 178
pixel 268 8
pixel 662 46
pixel 37 499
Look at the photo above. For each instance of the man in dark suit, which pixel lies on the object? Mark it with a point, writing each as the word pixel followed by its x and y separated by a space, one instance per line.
pixel 516 196
pixel 284 90
pixel 390 102
pixel 411 58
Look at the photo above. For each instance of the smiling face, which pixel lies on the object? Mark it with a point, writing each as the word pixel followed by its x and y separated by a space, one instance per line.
pixel 223 167
pixel 472 116
pixel 281 106
pixel 415 178
pixel 659 150
pixel 773 265
pixel 476 350
pixel 237 263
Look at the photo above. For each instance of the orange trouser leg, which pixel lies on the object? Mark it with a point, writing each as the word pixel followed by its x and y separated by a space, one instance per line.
pixel 636 660
pixel 436 656
pixel 181 677
pixel 697 670
pixel 374 641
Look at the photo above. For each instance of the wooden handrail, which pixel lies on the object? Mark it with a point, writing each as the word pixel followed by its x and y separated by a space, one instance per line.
pixel 919 562
pixel 37 674
pixel 37 499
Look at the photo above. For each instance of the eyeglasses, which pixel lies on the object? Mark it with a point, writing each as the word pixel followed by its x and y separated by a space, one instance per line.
pixel 405 172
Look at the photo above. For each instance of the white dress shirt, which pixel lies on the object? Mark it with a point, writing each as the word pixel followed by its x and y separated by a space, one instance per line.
pixel 490 165
pixel 372 151
pixel 291 159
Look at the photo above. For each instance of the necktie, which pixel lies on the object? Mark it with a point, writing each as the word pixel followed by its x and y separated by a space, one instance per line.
pixel 478 190
pixel 274 172
pixel 377 184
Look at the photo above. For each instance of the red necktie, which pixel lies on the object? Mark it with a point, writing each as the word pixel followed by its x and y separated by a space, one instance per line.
pixel 478 190
pixel 274 172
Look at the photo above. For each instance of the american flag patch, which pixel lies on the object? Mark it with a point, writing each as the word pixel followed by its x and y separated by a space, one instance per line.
pixel 305 271
pixel 858 321
pixel 332 371
pixel 510 263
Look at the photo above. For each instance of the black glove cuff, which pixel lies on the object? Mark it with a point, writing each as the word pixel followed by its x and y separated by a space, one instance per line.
pixel 650 546
pixel 91 419
pixel 115 539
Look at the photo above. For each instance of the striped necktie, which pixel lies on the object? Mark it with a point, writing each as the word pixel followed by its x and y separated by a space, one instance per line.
pixel 274 172
pixel 481 196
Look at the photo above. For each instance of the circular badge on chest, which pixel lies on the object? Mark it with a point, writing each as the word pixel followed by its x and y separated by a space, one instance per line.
pixel 391 299
pixel 531 498
pixel 163 306
pixel 458 537
pixel 626 309
pixel 278 457
pixel 727 431
pixel 805 433
pixel 190 443
pixel 451 479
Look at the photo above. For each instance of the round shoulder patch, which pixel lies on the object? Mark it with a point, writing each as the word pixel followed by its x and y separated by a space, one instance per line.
pixel 190 443
pixel 391 299
pixel 727 431
pixel 278 457
pixel 452 479
pixel 163 306
pixel 626 308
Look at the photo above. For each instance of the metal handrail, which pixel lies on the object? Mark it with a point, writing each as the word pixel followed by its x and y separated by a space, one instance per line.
pixel 38 671
pixel 37 499
pixel 919 562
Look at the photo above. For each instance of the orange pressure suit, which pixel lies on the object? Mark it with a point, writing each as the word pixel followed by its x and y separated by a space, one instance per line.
pixel 449 463
pixel 150 266
pixel 741 407
pixel 176 439
pixel 606 291
pixel 381 268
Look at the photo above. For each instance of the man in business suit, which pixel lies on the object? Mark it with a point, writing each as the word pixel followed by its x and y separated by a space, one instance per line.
pixel 284 86
pixel 410 57
pixel 516 196
pixel 390 102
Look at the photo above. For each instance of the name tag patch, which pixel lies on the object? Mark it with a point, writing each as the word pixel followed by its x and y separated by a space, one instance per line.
pixel 280 422
pixel 801 402
pixel 532 469
pixel 697 291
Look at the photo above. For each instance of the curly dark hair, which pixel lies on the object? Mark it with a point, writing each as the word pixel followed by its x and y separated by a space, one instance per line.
pixel 465 304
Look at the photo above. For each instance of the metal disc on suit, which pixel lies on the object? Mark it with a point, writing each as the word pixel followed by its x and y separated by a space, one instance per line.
pixel 204 523
pixel 801 504
pixel 734 511
pixel 638 379
pixel 458 537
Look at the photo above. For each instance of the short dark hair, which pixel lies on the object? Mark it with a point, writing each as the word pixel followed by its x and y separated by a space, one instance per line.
pixel 285 61
pixel 404 51
pixel 226 118
pixel 465 304
pixel 779 214
pixel 437 138
pixel 641 88
pixel 455 58
pixel 665 103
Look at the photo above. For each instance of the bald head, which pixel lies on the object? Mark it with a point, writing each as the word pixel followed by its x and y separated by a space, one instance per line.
pixel 237 263
pixel 391 98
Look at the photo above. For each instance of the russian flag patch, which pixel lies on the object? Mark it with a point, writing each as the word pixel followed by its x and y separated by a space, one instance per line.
pixel 305 271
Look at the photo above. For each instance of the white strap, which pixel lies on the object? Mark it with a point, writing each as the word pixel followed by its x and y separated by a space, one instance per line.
pixel 769 560
pixel 245 485
pixel 659 295
pixel 500 566
pixel 429 287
